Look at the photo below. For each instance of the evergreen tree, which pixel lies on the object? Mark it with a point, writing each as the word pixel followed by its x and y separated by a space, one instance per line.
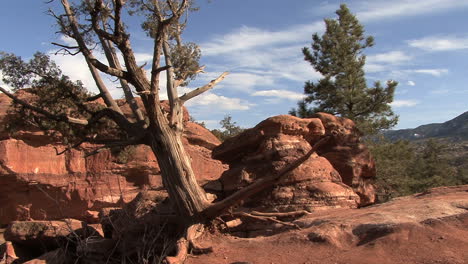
pixel 404 168
pixel 343 90
pixel 229 129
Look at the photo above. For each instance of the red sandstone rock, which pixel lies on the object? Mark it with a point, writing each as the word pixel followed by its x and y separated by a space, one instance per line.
pixel 349 156
pixel 36 183
pixel 270 146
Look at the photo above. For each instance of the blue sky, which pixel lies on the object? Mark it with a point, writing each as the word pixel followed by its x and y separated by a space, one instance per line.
pixel 421 44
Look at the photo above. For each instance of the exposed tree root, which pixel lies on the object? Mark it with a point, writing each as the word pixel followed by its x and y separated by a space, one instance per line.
pixel 182 252
pixel 186 244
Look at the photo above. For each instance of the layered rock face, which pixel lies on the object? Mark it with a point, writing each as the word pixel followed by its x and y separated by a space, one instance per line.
pixel 339 174
pixel 36 183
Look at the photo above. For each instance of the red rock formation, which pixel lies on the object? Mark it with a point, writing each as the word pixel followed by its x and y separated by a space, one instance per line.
pixel 320 182
pixel 349 156
pixel 36 183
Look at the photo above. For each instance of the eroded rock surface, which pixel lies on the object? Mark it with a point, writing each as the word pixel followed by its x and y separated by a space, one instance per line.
pixel 338 175
pixel 38 184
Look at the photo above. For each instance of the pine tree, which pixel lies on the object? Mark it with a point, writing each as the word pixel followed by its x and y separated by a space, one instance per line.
pixel 343 90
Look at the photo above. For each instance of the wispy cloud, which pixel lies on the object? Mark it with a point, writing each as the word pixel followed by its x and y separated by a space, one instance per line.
pixel 392 57
pixel 245 81
pixel 433 72
pixel 409 73
pixel 404 103
pixel 380 9
pixel 411 83
pixel 440 43
pixel 245 38
pixel 211 101
pixel 386 61
pixel 284 94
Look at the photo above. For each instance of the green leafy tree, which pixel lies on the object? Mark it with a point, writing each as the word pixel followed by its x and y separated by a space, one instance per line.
pixel 229 129
pixel 338 56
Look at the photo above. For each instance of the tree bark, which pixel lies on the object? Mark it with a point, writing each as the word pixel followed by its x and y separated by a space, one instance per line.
pixel 179 179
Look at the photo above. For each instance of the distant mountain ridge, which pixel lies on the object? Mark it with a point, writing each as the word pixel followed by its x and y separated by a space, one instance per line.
pixel 455 129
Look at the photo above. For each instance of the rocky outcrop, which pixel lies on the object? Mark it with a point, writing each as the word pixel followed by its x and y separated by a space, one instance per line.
pixel 349 156
pixel 38 184
pixel 338 175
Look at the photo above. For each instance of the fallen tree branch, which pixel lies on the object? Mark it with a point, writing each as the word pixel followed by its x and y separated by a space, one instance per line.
pixel 265 218
pixel 281 214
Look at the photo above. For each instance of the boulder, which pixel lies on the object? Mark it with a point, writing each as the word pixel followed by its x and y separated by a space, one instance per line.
pixel 48 234
pixel 278 141
pixel 38 184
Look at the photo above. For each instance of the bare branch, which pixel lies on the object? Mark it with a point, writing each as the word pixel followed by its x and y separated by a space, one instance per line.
pixel 118 118
pixel 69 148
pixel 93 98
pixel 134 141
pixel 203 89
pixel 114 62
pixel 265 218
pixel 92 62
pixel 171 6
pixel 171 88
pixel 86 51
pixel 65 46
pixel 117 18
pixel 62 118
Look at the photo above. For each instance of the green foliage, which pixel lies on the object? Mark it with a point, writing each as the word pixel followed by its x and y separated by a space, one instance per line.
pixel 405 168
pixel 343 90
pixel 230 129
pixel 43 85
pixel 125 154
pixel 185 57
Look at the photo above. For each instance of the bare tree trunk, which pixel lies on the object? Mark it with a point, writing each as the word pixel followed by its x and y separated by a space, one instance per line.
pixel 178 177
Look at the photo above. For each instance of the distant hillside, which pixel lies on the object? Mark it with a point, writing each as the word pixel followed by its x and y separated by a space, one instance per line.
pixel 455 129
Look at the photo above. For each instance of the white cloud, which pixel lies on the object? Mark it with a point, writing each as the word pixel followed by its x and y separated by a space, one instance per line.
pixel 246 38
pixel 433 72
pixel 392 57
pixel 404 103
pixel 382 9
pixel 411 83
pixel 373 67
pixel 440 43
pixel 280 94
pixel 214 102
pixel 76 68
pixel 143 57
pixel 244 81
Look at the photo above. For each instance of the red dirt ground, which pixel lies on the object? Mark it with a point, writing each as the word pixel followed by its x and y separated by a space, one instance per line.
pixel 437 235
